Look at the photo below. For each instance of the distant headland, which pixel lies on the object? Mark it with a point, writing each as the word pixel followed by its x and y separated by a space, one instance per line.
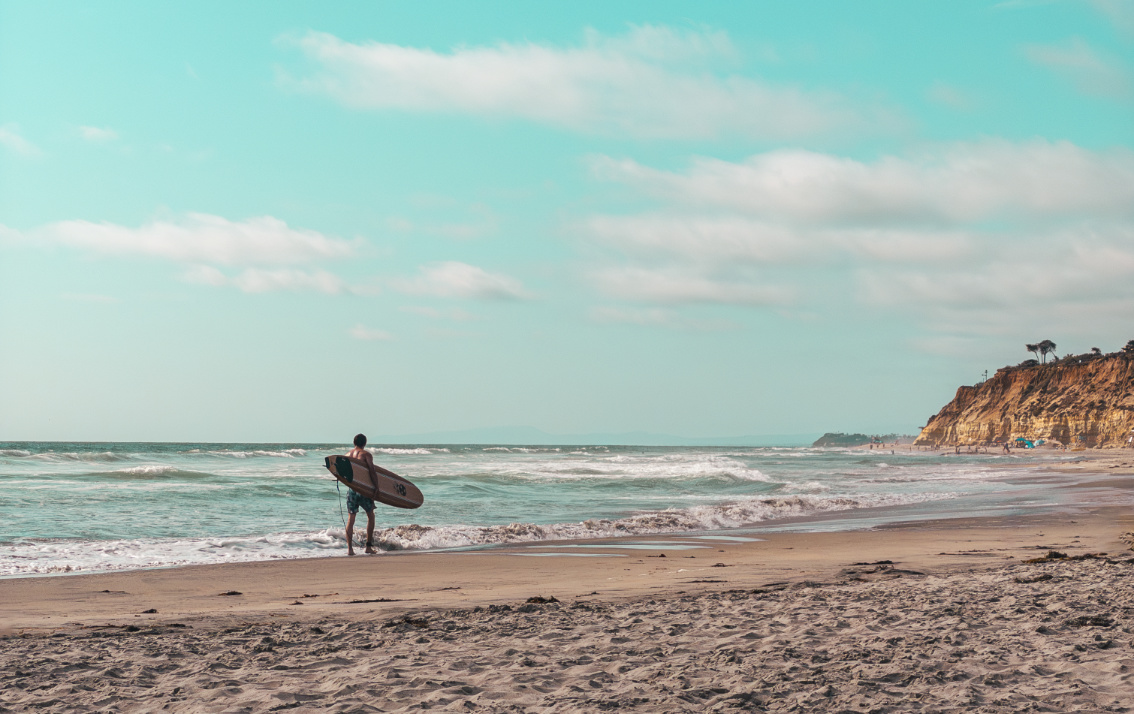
pixel 833 439
pixel 1084 400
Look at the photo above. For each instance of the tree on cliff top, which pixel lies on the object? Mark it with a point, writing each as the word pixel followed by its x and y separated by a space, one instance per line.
pixel 1046 347
pixel 1034 349
pixel 1129 348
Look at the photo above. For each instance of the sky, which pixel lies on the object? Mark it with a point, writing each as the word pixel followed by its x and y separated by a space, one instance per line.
pixel 293 221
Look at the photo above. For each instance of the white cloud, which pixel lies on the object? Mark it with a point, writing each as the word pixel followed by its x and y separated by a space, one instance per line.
pixel 1075 274
pixel 698 239
pixel 360 332
pixel 653 82
pixel 432 313
pixel 966 239
pixel 1089 71
pixel 12 140
pixel 951 96
pixel 655 317
pixel 674 285
pixel 203 238
pixel 1119 12
pixel 955 183
pixel 263 280
pixel 470 221
pixel 453 279
pixel 97 134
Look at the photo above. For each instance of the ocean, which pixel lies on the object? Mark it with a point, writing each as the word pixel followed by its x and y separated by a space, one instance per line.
pixel 95 507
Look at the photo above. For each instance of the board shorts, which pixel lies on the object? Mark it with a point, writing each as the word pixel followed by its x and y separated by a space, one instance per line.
pixel 355 500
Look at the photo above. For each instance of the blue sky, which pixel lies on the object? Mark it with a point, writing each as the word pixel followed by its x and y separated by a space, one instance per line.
pixel 285 221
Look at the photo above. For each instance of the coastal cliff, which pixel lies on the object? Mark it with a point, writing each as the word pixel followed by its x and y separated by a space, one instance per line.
pixel 1085 400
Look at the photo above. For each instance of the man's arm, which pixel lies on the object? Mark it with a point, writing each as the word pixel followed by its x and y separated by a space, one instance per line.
pixel 368 459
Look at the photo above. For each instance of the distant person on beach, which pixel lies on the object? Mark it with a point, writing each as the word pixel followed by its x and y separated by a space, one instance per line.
pixel 355 500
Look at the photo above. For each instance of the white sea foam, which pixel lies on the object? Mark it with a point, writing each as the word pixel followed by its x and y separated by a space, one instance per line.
pixel 397 452
pixel 74 556
pixel 697 518
pixel 14 452
pixel 150 470
pixel 622 467
pixel 69 556
pixel 80 456
pixel 283 454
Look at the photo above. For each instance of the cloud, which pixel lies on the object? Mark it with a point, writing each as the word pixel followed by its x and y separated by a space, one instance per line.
pixel 698 239
pixel 97 135
pixel 1075 272
pixel 1119 12
pixel 203 238
pixel 1089 71
pixel 655 317
pixel 432 313
pixel 955 183
pixel 359 332
pixel 12 140
pixel 674 285
pixel 653 82
pixel 951 96
pixel 453 279
pixel 965 239
pixel 261 280
pixel 468 221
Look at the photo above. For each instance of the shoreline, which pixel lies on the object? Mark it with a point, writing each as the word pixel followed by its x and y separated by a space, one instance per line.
pixel 631 566
pixel 944 614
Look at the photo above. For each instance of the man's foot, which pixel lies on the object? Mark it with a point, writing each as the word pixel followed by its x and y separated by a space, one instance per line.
pixel 370 551
pixel 350 551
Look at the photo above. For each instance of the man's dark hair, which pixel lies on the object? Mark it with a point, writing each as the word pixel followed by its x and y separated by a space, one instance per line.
pixel 360 440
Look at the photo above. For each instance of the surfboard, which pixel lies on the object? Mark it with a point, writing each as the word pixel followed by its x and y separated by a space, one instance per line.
pixel 391 489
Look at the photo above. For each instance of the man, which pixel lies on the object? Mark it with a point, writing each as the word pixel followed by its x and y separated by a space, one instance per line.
pixel 356 500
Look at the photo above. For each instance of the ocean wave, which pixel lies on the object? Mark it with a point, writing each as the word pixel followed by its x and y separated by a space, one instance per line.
pixel 234 454
pixel 393 451
pixel 61 557
pixel 151 471
pixel 14 452
pixel 697 518
pixel 82 456
pixel 50 557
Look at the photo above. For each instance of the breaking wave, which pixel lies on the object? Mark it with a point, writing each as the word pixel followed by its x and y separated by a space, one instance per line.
pixel 698 518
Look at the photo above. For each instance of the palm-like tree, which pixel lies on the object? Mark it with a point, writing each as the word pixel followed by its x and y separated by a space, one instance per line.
pixel 1034 349
pixel 1045 348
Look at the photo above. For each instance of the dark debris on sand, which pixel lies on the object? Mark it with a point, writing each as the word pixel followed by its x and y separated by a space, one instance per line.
pixel 982 641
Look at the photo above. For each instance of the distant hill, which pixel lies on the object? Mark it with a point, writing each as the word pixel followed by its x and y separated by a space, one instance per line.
pixel 847 440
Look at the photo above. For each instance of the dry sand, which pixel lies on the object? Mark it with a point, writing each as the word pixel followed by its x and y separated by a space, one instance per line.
pixel 955 621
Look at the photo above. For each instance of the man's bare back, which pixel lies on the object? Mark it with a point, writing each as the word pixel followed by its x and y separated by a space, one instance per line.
pixel 356 500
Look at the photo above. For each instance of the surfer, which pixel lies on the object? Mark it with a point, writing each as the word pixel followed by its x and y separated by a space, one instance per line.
pixel 356 501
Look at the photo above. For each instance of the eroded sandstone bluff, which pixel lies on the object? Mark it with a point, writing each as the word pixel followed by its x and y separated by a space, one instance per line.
pixel 1084 400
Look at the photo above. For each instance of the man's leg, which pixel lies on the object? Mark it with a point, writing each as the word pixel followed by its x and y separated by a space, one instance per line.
pixel 370 532
pixel 350 534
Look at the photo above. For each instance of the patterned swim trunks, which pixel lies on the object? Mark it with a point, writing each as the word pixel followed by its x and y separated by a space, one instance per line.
pixel 355 500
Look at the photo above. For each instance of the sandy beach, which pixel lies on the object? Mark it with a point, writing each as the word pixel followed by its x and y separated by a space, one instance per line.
pixel 935 616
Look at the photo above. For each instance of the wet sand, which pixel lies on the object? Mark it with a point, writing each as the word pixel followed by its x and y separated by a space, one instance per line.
pixel 938 616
